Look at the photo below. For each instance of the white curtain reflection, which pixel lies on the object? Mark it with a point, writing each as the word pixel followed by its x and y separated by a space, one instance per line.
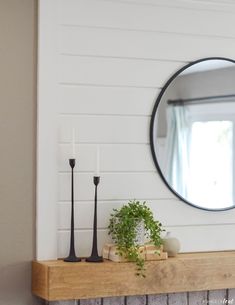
pixel 199 155
pixel 177 148
pixel 211 164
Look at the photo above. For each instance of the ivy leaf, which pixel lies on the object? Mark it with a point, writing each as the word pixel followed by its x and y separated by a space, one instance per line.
pixel 122 228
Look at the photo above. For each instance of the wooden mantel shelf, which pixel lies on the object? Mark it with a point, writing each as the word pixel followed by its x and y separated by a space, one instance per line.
pixel 57 280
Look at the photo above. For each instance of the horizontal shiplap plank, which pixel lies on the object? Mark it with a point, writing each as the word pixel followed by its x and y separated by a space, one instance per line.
pixel 84 213
pixel 204 238
pixel 114 71
pixel 106 100
pixel 144 45
pixel 113 158
pixel 192 239
pixel 83 242
pixel 104 129
pixel 201 5
pixel 176 216
pixel 114 186
pixel 126 15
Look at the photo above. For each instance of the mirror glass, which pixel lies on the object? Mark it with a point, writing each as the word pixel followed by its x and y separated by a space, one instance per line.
pixel 192 134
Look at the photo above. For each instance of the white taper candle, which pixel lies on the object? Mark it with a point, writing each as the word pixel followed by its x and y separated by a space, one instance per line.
pixel 97 171
pixel 73 144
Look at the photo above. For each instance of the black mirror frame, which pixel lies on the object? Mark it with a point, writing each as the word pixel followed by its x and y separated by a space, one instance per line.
pixel 158 100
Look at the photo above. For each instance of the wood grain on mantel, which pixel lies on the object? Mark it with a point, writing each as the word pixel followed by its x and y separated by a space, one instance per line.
pixel 57 280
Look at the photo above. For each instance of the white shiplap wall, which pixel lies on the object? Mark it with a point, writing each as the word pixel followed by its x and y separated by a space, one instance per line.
pixel 101 66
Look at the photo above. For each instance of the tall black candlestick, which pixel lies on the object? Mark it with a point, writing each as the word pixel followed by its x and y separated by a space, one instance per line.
pixel 72 255
pixel 95 258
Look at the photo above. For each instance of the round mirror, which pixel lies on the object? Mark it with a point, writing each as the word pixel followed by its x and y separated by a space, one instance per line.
pixel 192 134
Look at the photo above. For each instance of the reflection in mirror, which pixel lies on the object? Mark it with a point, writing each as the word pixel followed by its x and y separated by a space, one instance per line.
pixel 192 134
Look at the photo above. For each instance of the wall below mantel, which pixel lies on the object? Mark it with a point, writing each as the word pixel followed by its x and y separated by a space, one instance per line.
pixel 190 298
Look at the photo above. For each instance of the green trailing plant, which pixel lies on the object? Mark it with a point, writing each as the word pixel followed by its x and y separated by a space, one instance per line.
pixel 122 228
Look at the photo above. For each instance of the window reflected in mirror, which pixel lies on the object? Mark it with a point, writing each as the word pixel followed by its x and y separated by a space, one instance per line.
pixel 192 134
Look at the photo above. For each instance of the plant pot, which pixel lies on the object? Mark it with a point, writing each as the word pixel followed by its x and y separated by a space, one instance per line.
pixel 140 233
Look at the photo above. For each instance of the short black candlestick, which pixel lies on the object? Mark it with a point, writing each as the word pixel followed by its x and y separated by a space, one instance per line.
pixel 95 258
pixel 72 255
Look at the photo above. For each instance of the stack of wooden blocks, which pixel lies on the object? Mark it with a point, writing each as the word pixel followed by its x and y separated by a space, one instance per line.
pixel 148 252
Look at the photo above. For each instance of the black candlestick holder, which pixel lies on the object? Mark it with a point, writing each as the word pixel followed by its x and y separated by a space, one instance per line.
pixel 72 255
pixel 95 258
